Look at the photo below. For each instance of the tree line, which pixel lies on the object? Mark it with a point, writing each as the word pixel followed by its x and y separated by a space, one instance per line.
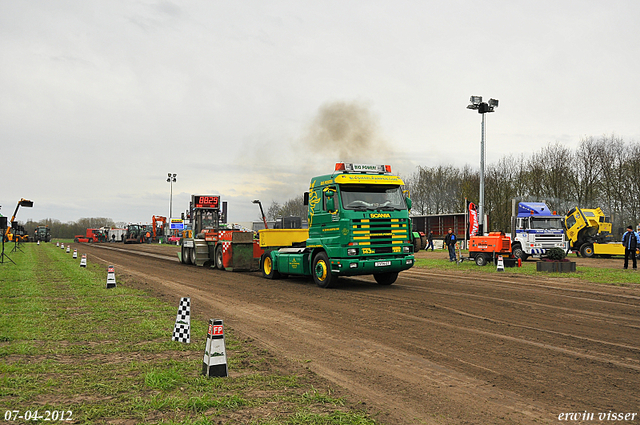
pixel 70 229
pixel 601 172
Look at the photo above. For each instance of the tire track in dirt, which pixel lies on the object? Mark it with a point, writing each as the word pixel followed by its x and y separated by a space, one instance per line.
pixel 432 348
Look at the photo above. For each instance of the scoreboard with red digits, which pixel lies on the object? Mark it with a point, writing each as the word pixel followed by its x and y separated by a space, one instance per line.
pixel 206 201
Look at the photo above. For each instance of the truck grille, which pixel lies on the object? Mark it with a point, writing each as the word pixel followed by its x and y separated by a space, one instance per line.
pixel 548 241
pixel 375 232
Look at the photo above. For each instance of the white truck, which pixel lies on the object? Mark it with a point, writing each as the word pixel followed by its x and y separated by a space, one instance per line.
pixel 535 229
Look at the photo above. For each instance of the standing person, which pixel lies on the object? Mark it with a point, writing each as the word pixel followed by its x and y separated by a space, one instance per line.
pixel 450 240
pixel 429 241
pixel 630 242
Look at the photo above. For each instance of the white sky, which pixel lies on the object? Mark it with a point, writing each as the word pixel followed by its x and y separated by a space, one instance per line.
pixel 99 100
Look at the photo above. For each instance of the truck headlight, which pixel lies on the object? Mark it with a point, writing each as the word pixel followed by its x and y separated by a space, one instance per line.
pixel 406 249
pixel 352 251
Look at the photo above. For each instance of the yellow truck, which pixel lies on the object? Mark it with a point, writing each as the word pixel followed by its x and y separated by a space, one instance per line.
pixel 589 233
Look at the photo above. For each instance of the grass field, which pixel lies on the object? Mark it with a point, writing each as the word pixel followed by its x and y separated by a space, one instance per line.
pixel 72 349
pixel 612 276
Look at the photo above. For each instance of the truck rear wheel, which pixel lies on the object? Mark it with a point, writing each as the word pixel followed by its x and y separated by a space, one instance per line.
pixel 321 271
pixel 186 255
pixel 586 250
pixel 192 254
pixel 219 263
pixel 266 265
pixel 481 260
pixel 386 278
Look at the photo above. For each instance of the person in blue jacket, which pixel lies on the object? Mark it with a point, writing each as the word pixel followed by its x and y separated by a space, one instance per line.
pixel 450 240
pixel 630 243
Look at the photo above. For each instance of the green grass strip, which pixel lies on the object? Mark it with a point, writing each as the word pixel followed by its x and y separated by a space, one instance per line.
pixel 613 276
pixel 69 344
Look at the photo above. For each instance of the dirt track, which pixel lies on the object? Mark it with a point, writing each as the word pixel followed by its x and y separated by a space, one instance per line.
pixel 437 348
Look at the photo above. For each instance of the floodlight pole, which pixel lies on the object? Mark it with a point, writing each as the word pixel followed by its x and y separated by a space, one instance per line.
pixel 481 204
pixel 170 180
pixel 482 108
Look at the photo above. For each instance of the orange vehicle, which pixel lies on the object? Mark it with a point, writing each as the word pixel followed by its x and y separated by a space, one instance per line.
pixel 159 224
pixel 483 249
pixel 92 235
pixel 13 231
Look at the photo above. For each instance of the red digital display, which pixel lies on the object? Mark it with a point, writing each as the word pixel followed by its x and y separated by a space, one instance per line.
pixel 200 201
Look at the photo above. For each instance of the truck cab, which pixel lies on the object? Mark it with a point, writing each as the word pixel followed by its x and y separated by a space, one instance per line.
pixel 535 230
pixel 589 233
pixel 358 225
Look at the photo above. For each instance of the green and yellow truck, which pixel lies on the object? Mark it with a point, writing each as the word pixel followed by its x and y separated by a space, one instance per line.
pixel 358 225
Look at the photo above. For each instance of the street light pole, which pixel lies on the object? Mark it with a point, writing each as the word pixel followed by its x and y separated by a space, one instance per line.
pixel 264 219
pixel 482 108
pixel 170 180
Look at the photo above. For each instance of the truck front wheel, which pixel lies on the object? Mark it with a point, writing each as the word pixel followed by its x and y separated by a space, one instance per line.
pixel 518 252
pixel 268 271
pixel 481 260
pixel 586 250
pixel 321 271
pixel 386 278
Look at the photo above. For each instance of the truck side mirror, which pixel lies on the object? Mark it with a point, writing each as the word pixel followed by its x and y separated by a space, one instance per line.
pixel 409 203
pixel 331 203
pixel 305 201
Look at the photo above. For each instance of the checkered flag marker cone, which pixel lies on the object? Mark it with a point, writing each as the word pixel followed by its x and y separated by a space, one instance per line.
pixel 214 363
pixel 75 254
pixel 500 266
pixel 83 260
pixel 111 277
pixel 182 329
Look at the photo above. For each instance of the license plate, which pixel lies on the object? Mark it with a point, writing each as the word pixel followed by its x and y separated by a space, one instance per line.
pixel 382 263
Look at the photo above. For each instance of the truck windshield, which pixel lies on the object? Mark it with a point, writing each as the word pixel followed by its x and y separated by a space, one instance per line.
pixel 372 197
pixel 546 223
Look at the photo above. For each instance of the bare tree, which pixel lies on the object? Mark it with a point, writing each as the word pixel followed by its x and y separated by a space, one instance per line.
pixel 612 153
pixel 273 211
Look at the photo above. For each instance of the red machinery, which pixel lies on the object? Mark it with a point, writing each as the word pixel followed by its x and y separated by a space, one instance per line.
pixel 483 249
pixel 92 235
pixel 212 245
pixel 159 224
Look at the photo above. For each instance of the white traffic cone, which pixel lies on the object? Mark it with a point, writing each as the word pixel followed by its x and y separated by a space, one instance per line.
pixel 500 267
pixel 75 254
pixel 38 242
pixel 68 249
pixel 215 357
pixel 83 260
pixel 62 245
pixel 111 277
pixel 182 328
pixel 57 244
